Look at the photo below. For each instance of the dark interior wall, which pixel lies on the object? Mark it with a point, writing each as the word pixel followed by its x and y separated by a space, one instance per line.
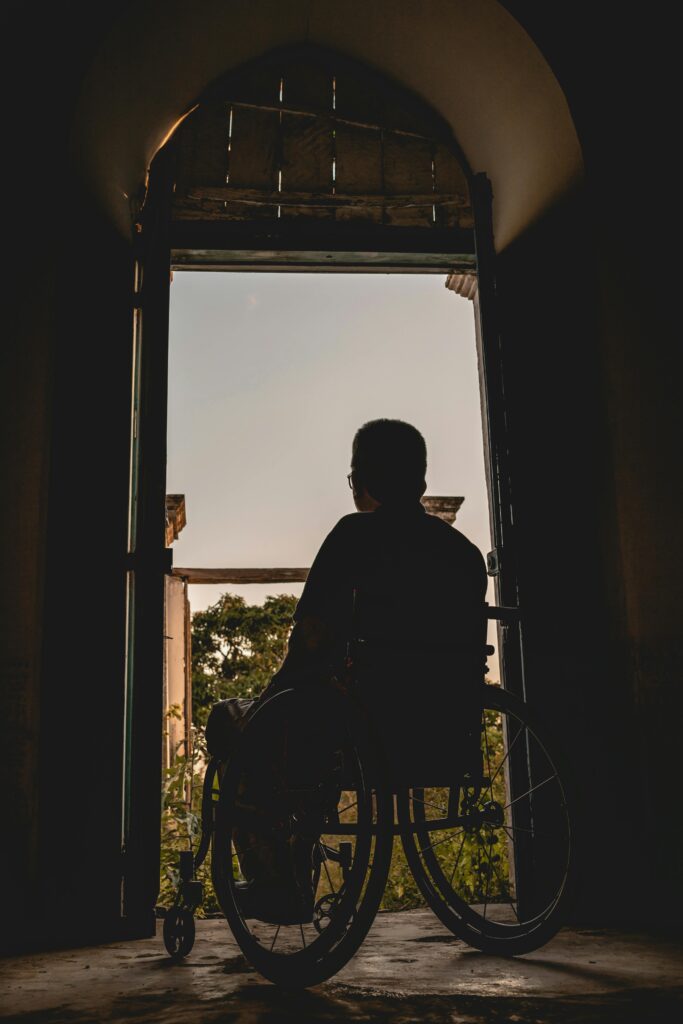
pixel 64 469
pixel 618 74
pixel 84 626
pixel 68 852
pixel 568 555
pixel 585 298
pixel 25 365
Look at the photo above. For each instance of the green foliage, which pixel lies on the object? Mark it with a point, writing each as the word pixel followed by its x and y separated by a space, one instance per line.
pixel 181 820
pixel 236 648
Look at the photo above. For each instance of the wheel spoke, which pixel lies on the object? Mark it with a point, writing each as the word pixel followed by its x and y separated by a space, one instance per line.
pixel 500 878
pixel 427 803
pixel 277 932
pixel 530 831
pixel 448 839
pixel 488 879
pixel 301 929
pixel 509 749
pixel 327 872
pixel 488 757
pixel 531 790
pixel 457 860
pixel 502 915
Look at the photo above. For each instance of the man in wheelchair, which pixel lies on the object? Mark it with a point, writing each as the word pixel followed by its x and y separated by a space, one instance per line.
pixel 394 596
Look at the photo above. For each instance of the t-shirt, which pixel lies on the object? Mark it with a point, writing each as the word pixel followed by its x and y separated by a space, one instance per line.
pixel 407 591
pixel 397 581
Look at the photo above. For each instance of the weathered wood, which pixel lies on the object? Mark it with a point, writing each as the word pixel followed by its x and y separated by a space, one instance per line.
pixel 306 155
pixel 359 160
pixel 364 97
pixel 293 114
pixel 359 172
pixel 289 261
pixel 254 149
pixel 362 94
pixel 407 165
pixel 193 207
pixel 176 517
pixel 202 147
pixel 455 247
pixel 376 126
pixel 288 197
pixel 449 176
pixel 408 171
pixel 285 145
pixel 200 575
pixel 450 179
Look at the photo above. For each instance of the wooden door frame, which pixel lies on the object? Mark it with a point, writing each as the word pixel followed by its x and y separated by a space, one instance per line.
pixel 502 559
pixel 151 560
pixel 148 559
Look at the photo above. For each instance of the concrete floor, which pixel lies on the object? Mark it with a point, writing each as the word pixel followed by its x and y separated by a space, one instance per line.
pixel 408 970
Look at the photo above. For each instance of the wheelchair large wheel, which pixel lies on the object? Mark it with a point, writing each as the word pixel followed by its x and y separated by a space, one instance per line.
pixel 491 854
pixel 303 785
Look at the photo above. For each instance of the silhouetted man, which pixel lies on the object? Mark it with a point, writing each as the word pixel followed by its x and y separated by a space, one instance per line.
pixel 401 581
pixel 409 590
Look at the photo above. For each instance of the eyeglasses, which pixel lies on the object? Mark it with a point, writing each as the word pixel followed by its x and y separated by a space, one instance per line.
pixel 349 477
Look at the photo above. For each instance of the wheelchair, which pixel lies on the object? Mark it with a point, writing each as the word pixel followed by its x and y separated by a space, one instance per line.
pixel 486 836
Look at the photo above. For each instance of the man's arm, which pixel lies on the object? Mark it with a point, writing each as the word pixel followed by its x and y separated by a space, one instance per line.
pixel 323 613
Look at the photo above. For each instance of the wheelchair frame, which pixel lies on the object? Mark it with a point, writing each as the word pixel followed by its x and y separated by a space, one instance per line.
pixel 526 848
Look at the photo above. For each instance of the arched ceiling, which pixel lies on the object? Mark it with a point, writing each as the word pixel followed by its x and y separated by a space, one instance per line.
pixel 469 59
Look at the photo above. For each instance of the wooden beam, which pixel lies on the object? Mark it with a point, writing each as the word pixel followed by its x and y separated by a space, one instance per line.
pixel 199 575
pixel 276 236
pixel 282 108
pixel 256 197
pixel 323 261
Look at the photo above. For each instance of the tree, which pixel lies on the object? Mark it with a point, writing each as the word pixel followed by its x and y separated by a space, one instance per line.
pixel 236 648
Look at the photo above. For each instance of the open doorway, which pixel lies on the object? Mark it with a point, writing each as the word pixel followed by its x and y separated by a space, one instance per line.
pixel 300 162
pixel 270 375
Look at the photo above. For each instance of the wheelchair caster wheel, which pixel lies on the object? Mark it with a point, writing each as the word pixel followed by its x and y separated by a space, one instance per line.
pixel 324 910
pixel 179 932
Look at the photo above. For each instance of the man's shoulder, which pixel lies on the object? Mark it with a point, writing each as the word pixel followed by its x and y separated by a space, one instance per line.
pixel 457 541
pixel 353 522
pixel 345 532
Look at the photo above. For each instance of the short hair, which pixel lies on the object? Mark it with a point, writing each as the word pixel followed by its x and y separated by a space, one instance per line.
pixel 389 457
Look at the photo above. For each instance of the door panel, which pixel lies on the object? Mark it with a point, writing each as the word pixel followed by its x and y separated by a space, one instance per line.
pixel 148 559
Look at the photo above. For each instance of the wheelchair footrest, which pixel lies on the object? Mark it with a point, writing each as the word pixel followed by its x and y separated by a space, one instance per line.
pixel 186 865
pixel 191 894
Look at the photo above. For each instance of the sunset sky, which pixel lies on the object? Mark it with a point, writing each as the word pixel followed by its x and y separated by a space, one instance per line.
pixel 270 376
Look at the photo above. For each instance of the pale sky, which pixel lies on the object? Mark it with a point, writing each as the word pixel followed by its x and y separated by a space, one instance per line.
pixel 271 374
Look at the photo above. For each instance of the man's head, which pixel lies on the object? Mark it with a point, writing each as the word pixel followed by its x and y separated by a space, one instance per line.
pixel 388 464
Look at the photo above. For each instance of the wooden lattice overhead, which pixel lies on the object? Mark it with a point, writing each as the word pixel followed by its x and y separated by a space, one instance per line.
pixel 314 138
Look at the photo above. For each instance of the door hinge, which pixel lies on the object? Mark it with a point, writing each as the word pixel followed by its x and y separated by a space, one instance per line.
pixel 493 563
